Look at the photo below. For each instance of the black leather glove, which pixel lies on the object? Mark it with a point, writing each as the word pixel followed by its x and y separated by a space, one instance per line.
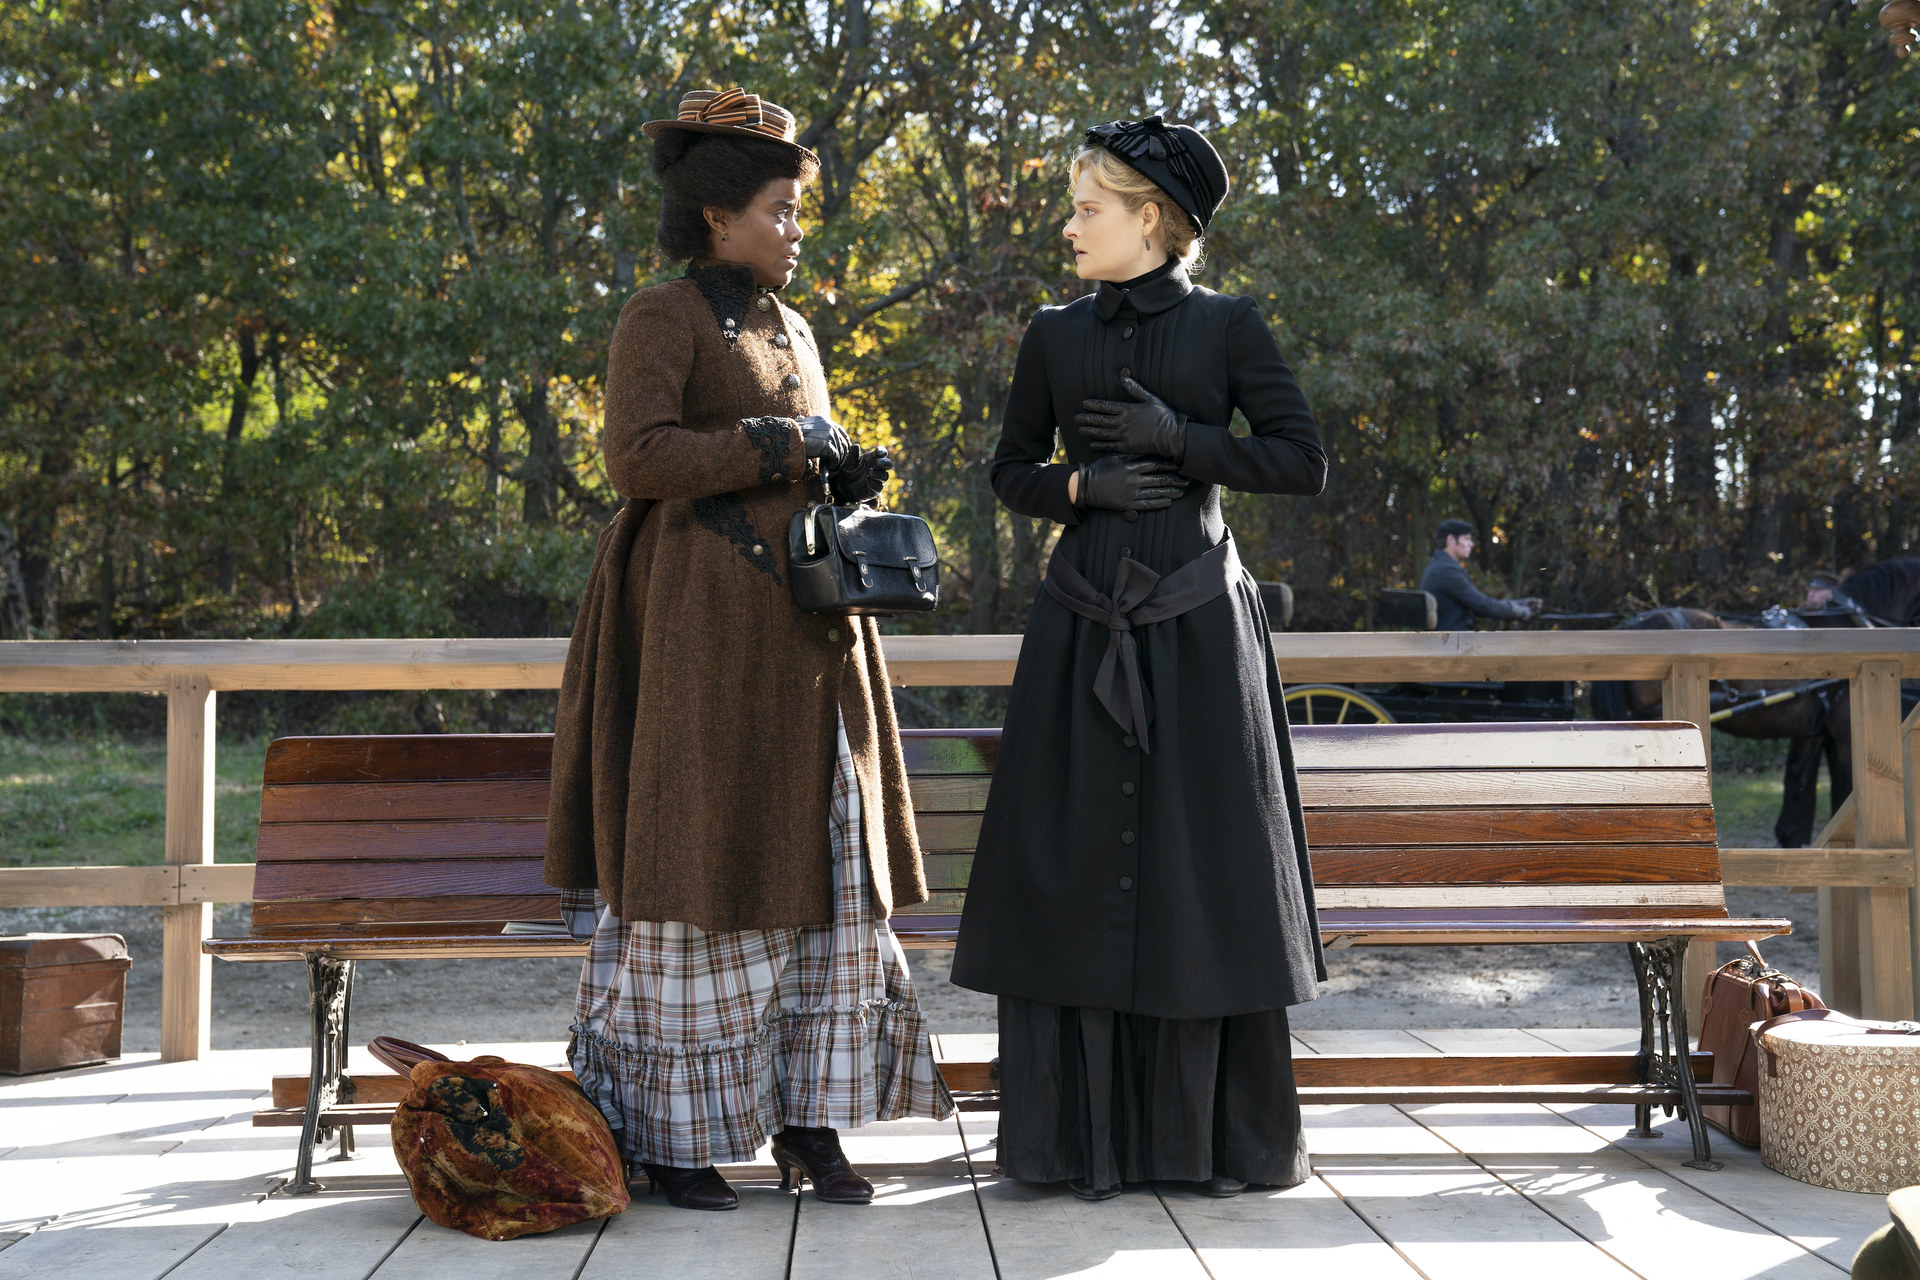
pixel 826 440
pixel 1115 483
pixel 1145 427
pixel 862 478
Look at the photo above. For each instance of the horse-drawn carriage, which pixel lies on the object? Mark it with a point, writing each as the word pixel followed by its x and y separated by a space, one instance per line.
pixel 1418 702
pixel 1812 714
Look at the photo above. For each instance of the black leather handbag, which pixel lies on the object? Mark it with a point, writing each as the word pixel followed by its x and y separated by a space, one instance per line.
pixel 858 560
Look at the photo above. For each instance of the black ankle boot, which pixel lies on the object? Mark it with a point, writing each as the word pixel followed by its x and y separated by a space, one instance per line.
pixel 691 1188
pixel 814 1155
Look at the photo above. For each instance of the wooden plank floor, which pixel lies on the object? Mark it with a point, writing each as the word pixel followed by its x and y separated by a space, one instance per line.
pixel 141 1170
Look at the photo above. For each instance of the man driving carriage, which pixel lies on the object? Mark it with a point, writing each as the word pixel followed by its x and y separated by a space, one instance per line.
pixel 1459 601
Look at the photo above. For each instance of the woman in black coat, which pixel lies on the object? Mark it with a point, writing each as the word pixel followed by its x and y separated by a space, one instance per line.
pixel 1141 899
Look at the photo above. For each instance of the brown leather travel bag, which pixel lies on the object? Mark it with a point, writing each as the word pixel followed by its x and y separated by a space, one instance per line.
pixel 1739 994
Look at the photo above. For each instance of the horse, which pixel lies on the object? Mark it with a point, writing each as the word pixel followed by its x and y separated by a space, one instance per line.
pixel 1886 594
pixel 1816 724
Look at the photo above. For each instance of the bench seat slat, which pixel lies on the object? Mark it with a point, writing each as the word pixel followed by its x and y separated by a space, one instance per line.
pixel 404 911
pixel 424 878
pixel 424 757
pixel 411 946
pixel 1354 789
pixel 1600 825
pixel 949 792
pixel 1677 824
pixel 1449 897
pixel 1652 744
pixel 1503 788
pixel 403 801
pixel 1517 864
pixel 486 838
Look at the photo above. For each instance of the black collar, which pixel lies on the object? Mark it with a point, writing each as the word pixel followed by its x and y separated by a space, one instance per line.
pixel 1156 295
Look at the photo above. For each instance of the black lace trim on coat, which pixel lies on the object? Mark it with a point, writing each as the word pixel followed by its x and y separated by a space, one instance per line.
pixel 770 437
pixel 729 290
pixel 726 515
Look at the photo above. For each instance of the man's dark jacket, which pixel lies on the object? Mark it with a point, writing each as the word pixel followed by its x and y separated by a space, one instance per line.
pixel 1458 598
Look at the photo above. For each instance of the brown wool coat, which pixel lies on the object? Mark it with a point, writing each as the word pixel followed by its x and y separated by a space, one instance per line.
pixel 693 752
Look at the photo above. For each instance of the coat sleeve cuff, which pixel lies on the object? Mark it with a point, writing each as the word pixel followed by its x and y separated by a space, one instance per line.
pixel 1066 512
pixel 782 448
pixel 1206 459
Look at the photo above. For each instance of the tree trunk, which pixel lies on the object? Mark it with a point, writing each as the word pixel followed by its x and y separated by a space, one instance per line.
pixel 230 458
pixel 540 500
pixel 14 621
pixel 103 622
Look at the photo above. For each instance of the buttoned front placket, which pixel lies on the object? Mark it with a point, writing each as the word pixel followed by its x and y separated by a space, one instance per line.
pixel 1128 807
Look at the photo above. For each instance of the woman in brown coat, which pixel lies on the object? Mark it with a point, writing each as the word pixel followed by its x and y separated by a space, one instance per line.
pixel 730 819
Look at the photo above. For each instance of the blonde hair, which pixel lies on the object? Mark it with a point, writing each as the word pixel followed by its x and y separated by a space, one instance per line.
pixel 1136 192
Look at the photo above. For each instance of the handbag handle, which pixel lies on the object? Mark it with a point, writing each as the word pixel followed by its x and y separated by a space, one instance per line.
pixel 402 1055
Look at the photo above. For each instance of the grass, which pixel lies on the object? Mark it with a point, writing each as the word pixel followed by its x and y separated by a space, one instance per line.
pixel 1746 804
pixel 101 800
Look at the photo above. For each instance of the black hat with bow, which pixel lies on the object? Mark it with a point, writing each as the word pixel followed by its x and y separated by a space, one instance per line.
pixel 1174 158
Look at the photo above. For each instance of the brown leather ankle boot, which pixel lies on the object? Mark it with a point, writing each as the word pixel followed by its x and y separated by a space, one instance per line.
pixel 814 1155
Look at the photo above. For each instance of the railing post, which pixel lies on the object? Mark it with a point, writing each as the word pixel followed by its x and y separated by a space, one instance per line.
pixel 1909 749
pixel 1879 822
pixel 1686 694
pixel 186 974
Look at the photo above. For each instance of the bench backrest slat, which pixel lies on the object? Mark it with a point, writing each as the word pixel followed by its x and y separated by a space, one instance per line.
pixel 443 835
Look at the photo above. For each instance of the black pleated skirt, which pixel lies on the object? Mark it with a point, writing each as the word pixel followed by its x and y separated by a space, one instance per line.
pixel 1108 1098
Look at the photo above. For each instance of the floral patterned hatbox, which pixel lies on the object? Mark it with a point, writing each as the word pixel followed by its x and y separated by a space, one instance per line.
pixel 1840 1100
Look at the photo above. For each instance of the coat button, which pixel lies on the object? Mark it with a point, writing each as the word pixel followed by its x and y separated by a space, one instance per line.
pixel 782 341
pixel 758 549
pixel 1126 882
pixel 1126 788
pixel 791 381
pixel 763 302
pixel 1132 516
pixel 1126 837
pixel 776 478
pixel 833 633
pixel 1131 741
pixel 1127 332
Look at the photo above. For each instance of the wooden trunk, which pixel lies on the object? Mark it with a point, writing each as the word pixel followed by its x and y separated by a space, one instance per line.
pixel 63 997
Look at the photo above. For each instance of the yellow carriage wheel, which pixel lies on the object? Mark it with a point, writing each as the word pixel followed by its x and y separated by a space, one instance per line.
pixel 1332 704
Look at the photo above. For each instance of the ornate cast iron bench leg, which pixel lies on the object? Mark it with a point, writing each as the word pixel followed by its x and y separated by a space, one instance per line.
pixel 1664 1046
pixel 329 989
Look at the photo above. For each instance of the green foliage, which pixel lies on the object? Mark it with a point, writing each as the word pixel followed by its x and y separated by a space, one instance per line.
pixel 101 799
pixel 306 302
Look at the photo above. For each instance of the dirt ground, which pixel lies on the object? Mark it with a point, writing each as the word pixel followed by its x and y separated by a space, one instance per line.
pixel 264 1005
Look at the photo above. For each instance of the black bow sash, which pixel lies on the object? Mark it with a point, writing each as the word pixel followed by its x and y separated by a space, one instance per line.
pixel 1140 597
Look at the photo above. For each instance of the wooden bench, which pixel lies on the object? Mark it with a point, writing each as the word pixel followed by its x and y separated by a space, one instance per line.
pixel 390 848
pixel 1458 834
pixel 407 847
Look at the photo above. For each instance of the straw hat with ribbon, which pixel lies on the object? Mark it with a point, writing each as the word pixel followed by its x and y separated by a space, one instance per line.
pixel 731 111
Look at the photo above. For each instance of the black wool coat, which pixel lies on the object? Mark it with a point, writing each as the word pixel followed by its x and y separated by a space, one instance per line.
pixel 1168 877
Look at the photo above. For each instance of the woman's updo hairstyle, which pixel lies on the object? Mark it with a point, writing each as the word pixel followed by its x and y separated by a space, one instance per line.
pixel 698 171
pixel 1137 191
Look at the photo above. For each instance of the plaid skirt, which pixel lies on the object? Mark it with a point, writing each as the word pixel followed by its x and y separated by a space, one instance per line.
pixel 696 1045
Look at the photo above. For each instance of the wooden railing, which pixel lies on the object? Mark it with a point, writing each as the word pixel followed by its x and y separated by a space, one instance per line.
pixel 1865 873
